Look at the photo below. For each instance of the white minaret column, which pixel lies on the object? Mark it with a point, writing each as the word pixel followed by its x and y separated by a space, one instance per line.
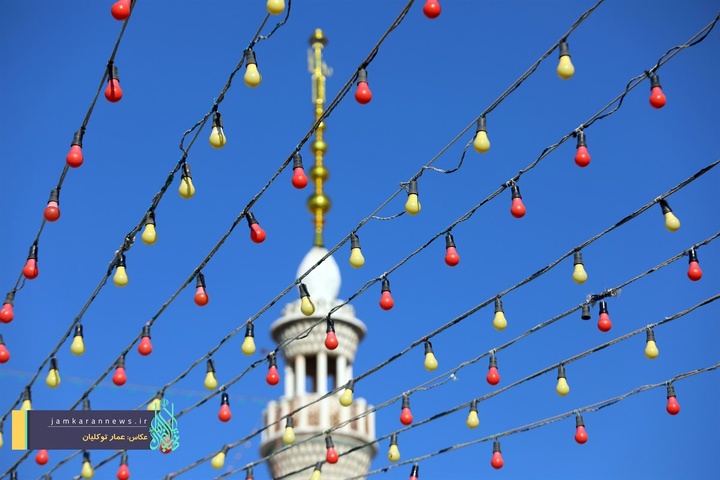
pixel 322 388
pixel 341 371
pixel 300 375
pixel 289 381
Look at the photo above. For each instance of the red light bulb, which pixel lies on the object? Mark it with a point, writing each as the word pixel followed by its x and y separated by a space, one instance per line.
pixel 673 407
pixel 493 376
pixel 52 211
pixel 386 300
pixel 224 414
pixel 42 457
pixel 30 270
pixel 497 461
pixel 432 9
pixel 517 209
pixel 123 472
pixel 604 323
pixel 331 456
pixel 581 435
pixel 257 234
pixel 331 340
pixel 121 10
pixel 145 347
pixel 4 352
pixel 119 378
pixel 694 272
pixel 249 475
pixel 406 417
pixel 113 92
pixel 363 95
pixel 74 158
pixel 201 296
pixel 451 256
pixel 657 97
pixel 582 157
pixel 415 472
pixel 299 179
pixel 6 312
pixel 273 377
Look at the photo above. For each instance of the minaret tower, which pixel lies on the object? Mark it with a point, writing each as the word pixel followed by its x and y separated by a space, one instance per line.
pixel 311 370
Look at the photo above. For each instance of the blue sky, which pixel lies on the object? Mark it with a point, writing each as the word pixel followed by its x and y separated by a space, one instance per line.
pixel 430 79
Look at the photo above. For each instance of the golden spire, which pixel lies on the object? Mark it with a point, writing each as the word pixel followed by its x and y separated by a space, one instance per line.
pixel 318 203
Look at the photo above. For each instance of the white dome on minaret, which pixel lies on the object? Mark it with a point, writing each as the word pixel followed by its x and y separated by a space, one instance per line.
pixel 323 283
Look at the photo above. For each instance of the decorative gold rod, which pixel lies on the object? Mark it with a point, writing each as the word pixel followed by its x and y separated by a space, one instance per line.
pixel 318 203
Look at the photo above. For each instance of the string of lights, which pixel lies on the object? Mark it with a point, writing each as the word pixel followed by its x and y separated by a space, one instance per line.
pixel 377 279
pixel 592 299
pixel 119 262
pixel 419 341
pixel 547 421
pixel 443 378
pixel 181 147
pixel 411 424
pixel 130 237
pixel 118 258
pixel 52 212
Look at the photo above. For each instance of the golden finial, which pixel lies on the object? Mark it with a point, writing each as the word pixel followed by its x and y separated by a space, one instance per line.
pixel 318 203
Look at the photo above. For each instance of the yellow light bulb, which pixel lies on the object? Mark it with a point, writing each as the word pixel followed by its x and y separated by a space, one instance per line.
pixel 120 279
pixel 87 470
pixel 562 388
pixel 218 461
pixel 500 322
pixel 217 137
pixel 565 68
pixel 77 347
pixel 412 206
pixel 316 475
pixel 252 76
pixel 394 453
pixel 306 306
pixel 651 350
pixel 579 275
pixel 26 405
pixel 431 362
pixel 275 7
pixel 1 439
pixel 53 378
pixel 346 398
pixel 149 235
pixel 288 437
pixel 671 222
pixel 356 258
pixel 248 346
pixel 481 142
pixel 154 405
pixel 187 189
pixel 472 420
pixel 211 382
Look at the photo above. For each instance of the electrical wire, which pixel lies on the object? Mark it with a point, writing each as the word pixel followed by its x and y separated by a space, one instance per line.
pixel 677 49
pixel 545 370
pixel 592 298
pixel 20 282
pixel 417 342
pixel 547 421
pixel 130 237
